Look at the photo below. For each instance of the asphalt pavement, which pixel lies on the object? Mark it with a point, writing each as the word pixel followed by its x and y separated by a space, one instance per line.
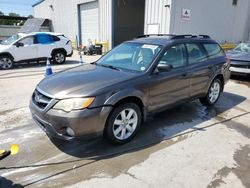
pixel 187 146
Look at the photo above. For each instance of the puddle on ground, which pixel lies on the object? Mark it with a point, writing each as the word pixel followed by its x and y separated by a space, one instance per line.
pixel 241 169
pixel 99 157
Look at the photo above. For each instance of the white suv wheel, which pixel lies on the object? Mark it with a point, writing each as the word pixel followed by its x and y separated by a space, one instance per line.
pixel 59 57
pixel 6 63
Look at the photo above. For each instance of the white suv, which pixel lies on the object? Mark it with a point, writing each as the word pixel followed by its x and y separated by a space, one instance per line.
pixel 34 47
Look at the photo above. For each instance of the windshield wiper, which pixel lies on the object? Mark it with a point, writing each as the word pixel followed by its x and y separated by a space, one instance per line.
pixel 109 66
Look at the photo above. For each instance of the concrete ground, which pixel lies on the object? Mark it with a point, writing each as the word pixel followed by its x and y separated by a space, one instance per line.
pixel 187 146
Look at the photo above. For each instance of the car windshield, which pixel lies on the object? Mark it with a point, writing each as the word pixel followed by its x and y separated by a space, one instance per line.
pixel 243 47
pixel 11 39
pixel 130 56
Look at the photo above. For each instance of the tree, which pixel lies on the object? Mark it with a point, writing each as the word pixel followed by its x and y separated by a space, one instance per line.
pixel 9 21
pixel 14 14
pixel 1 13
pixel 30 16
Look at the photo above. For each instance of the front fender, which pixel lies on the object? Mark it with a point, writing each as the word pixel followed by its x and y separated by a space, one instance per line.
pixel 116 97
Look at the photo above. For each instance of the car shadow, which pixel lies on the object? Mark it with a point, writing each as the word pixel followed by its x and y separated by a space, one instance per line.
pixel 5 183
pixel 163 126
pixel 26 65
pixel 27 70
pixel 245 80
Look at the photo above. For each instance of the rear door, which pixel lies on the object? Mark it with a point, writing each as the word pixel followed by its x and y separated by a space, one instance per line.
pixel 170 87
pixel 45 44
pixel 199 68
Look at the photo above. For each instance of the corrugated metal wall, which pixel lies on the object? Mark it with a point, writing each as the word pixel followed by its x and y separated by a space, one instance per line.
pixel 157 13
pixel 105 12
pixel 219 19
pixel 64 16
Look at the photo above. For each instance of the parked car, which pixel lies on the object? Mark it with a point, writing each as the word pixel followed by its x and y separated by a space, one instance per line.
pixel 116 94
pixel 34 47
pixel 240 59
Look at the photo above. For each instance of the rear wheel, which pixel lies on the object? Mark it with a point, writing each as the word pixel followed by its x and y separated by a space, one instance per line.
pixel 6 62
pixel 213 93
pixel 59 57
pixel 123 123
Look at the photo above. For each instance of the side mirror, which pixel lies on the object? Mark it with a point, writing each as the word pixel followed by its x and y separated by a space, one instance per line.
pixel 19 44
pixel 164 67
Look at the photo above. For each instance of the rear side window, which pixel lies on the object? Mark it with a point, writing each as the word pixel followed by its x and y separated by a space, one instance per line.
pixel 44 39
pixel 174 56
pixel 195 53
pixel 213 50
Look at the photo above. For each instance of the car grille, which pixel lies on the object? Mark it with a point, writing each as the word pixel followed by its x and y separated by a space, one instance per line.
pixel 40 99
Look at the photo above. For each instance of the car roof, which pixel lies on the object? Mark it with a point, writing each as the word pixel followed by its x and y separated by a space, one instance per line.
pixel 165 39
pixel 35 33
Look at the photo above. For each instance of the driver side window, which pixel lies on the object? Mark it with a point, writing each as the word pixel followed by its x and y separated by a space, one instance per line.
pixel 174 56
pixel 27 41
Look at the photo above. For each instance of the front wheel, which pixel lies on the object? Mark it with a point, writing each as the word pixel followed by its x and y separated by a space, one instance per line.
pixel 6 62
pixel 123 123
pixel 213 93
pixel 59 57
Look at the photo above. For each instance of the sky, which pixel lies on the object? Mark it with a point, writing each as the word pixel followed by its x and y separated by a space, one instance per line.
pixel 22 7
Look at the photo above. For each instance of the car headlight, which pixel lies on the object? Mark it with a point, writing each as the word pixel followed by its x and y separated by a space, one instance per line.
pixel 74 104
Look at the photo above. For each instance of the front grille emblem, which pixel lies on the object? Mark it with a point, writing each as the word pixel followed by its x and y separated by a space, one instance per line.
pixel 38 98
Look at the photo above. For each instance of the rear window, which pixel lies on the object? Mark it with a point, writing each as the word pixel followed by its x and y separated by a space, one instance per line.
pixel 213 50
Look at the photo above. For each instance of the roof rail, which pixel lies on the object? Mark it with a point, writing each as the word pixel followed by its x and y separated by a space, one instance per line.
pixel 152 35
pixel 205 36
pixel 189 36
pixel 174 36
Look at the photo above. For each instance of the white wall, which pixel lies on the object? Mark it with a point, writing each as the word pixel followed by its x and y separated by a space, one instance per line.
pixel 105 20
pixel 157 14
pixel 217 18
pixel 64 16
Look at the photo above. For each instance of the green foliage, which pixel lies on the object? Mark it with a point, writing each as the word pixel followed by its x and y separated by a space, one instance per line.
pixel 11 22
pixel 30 16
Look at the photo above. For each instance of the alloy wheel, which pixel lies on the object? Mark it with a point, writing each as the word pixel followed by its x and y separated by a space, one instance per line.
pixel 59 57
pixel 125 124
pixel 6 63
pixel 214 92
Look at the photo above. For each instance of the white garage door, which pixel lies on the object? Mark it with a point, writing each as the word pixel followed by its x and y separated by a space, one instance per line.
pixel 89 22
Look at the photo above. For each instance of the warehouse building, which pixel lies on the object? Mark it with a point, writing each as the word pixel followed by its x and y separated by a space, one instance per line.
pixel 119 20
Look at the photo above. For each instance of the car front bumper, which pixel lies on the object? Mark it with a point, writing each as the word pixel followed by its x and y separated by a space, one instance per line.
pixel 85 123
pixel 240 67
pixel 239 71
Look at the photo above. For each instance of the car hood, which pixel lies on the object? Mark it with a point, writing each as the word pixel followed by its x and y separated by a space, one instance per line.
pixel 238 56
pixel 3 47
pixel 86 80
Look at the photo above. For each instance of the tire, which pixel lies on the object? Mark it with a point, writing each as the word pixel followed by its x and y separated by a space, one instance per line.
pixel 213 93
pixel 6 62
pixel 122 131
pixel 59 57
